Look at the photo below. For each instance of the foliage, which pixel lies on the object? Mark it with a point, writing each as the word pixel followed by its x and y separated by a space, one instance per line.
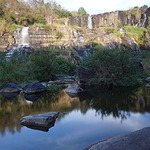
pixel 139 34
pixel 12 70
pixel 29 12
pixel 54 88
pixel 64 67
pixel 146 63
pixel 81 11
pixel 137 11
pixel 39 66
pixel 114 67
pixel 59 35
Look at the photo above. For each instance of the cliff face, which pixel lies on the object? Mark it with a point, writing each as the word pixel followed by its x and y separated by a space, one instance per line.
pixel 6 40
pixel 135 17
pixel 80 32
pixel 81 21
pixel 108 19
pixel 55 36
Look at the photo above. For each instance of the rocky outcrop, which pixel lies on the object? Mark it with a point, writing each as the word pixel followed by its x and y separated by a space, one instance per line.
pixel 147 79
pixel 40 121
pixel 51 37
pixel 11 88
pixel 6 40
pixel 135 17
pixel 73 89
pixel 80 21
pixel 34 87
pixel 108 19
pixel 69 35
pixel 138 140
pixel 148 84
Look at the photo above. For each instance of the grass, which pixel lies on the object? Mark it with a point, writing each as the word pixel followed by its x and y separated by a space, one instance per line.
pixel 138 33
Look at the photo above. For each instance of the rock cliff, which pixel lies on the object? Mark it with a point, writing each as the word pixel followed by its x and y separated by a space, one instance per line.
pixel 133 17
pixel 84 31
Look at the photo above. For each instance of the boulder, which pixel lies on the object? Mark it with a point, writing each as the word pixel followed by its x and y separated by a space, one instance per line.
pixel 11 88
pixel 10 95
pixel 73 89
pixel 148 85
pixel 138 140
pixel 147 79
pixel 65 80
pixel 40 121
pixel 34 87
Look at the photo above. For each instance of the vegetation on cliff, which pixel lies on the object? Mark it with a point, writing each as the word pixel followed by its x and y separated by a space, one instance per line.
pixel 17 12
pixel 114 67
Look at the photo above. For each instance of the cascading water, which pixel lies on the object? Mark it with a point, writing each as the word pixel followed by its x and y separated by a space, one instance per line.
pixel 79 42
pixel 137 48
pixel 142 21
pixel 90 24
pixel 24 38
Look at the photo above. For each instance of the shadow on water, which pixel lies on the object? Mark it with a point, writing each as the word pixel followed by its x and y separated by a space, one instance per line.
pixel 117 102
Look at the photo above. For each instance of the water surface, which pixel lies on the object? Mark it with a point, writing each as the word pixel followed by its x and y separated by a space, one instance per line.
pixel 94 116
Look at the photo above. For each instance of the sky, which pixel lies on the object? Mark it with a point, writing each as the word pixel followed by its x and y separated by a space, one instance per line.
pixel 100 6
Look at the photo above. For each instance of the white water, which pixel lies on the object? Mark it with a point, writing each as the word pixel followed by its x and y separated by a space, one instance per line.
pixel 142 21
pixel 24 38
pixel 90 24
pixel 137 48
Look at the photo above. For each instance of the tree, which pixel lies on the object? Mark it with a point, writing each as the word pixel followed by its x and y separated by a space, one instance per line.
pixel 81 11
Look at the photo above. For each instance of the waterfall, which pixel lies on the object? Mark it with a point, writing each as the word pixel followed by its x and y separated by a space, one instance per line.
pixel 142 21
pixel 137 48
pixel 22 40
pixel 24 37
pixel 90 24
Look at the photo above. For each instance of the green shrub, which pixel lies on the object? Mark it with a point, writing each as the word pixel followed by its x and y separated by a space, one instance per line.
pixel 13 70
pixel 41 66
pixel 45 66
pixel 114 67
pixel 139 34
pixel 146 63
pixel 64 67
pixel 59 35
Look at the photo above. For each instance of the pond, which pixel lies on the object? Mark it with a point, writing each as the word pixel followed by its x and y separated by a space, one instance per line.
pixel 93 116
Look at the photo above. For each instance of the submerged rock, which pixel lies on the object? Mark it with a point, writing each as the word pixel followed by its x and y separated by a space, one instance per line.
pixel 11 88
pixel 138 140
pixel 34 87
pixel 40 121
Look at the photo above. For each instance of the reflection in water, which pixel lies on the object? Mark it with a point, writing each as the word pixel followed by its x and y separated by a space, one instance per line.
pixel 118 102
pixel 33 97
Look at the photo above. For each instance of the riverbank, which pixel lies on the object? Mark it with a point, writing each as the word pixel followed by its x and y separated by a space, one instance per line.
pixel 138 140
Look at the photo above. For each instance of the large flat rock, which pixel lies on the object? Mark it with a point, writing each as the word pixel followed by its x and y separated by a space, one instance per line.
pixel 40 121
pixel 139 140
